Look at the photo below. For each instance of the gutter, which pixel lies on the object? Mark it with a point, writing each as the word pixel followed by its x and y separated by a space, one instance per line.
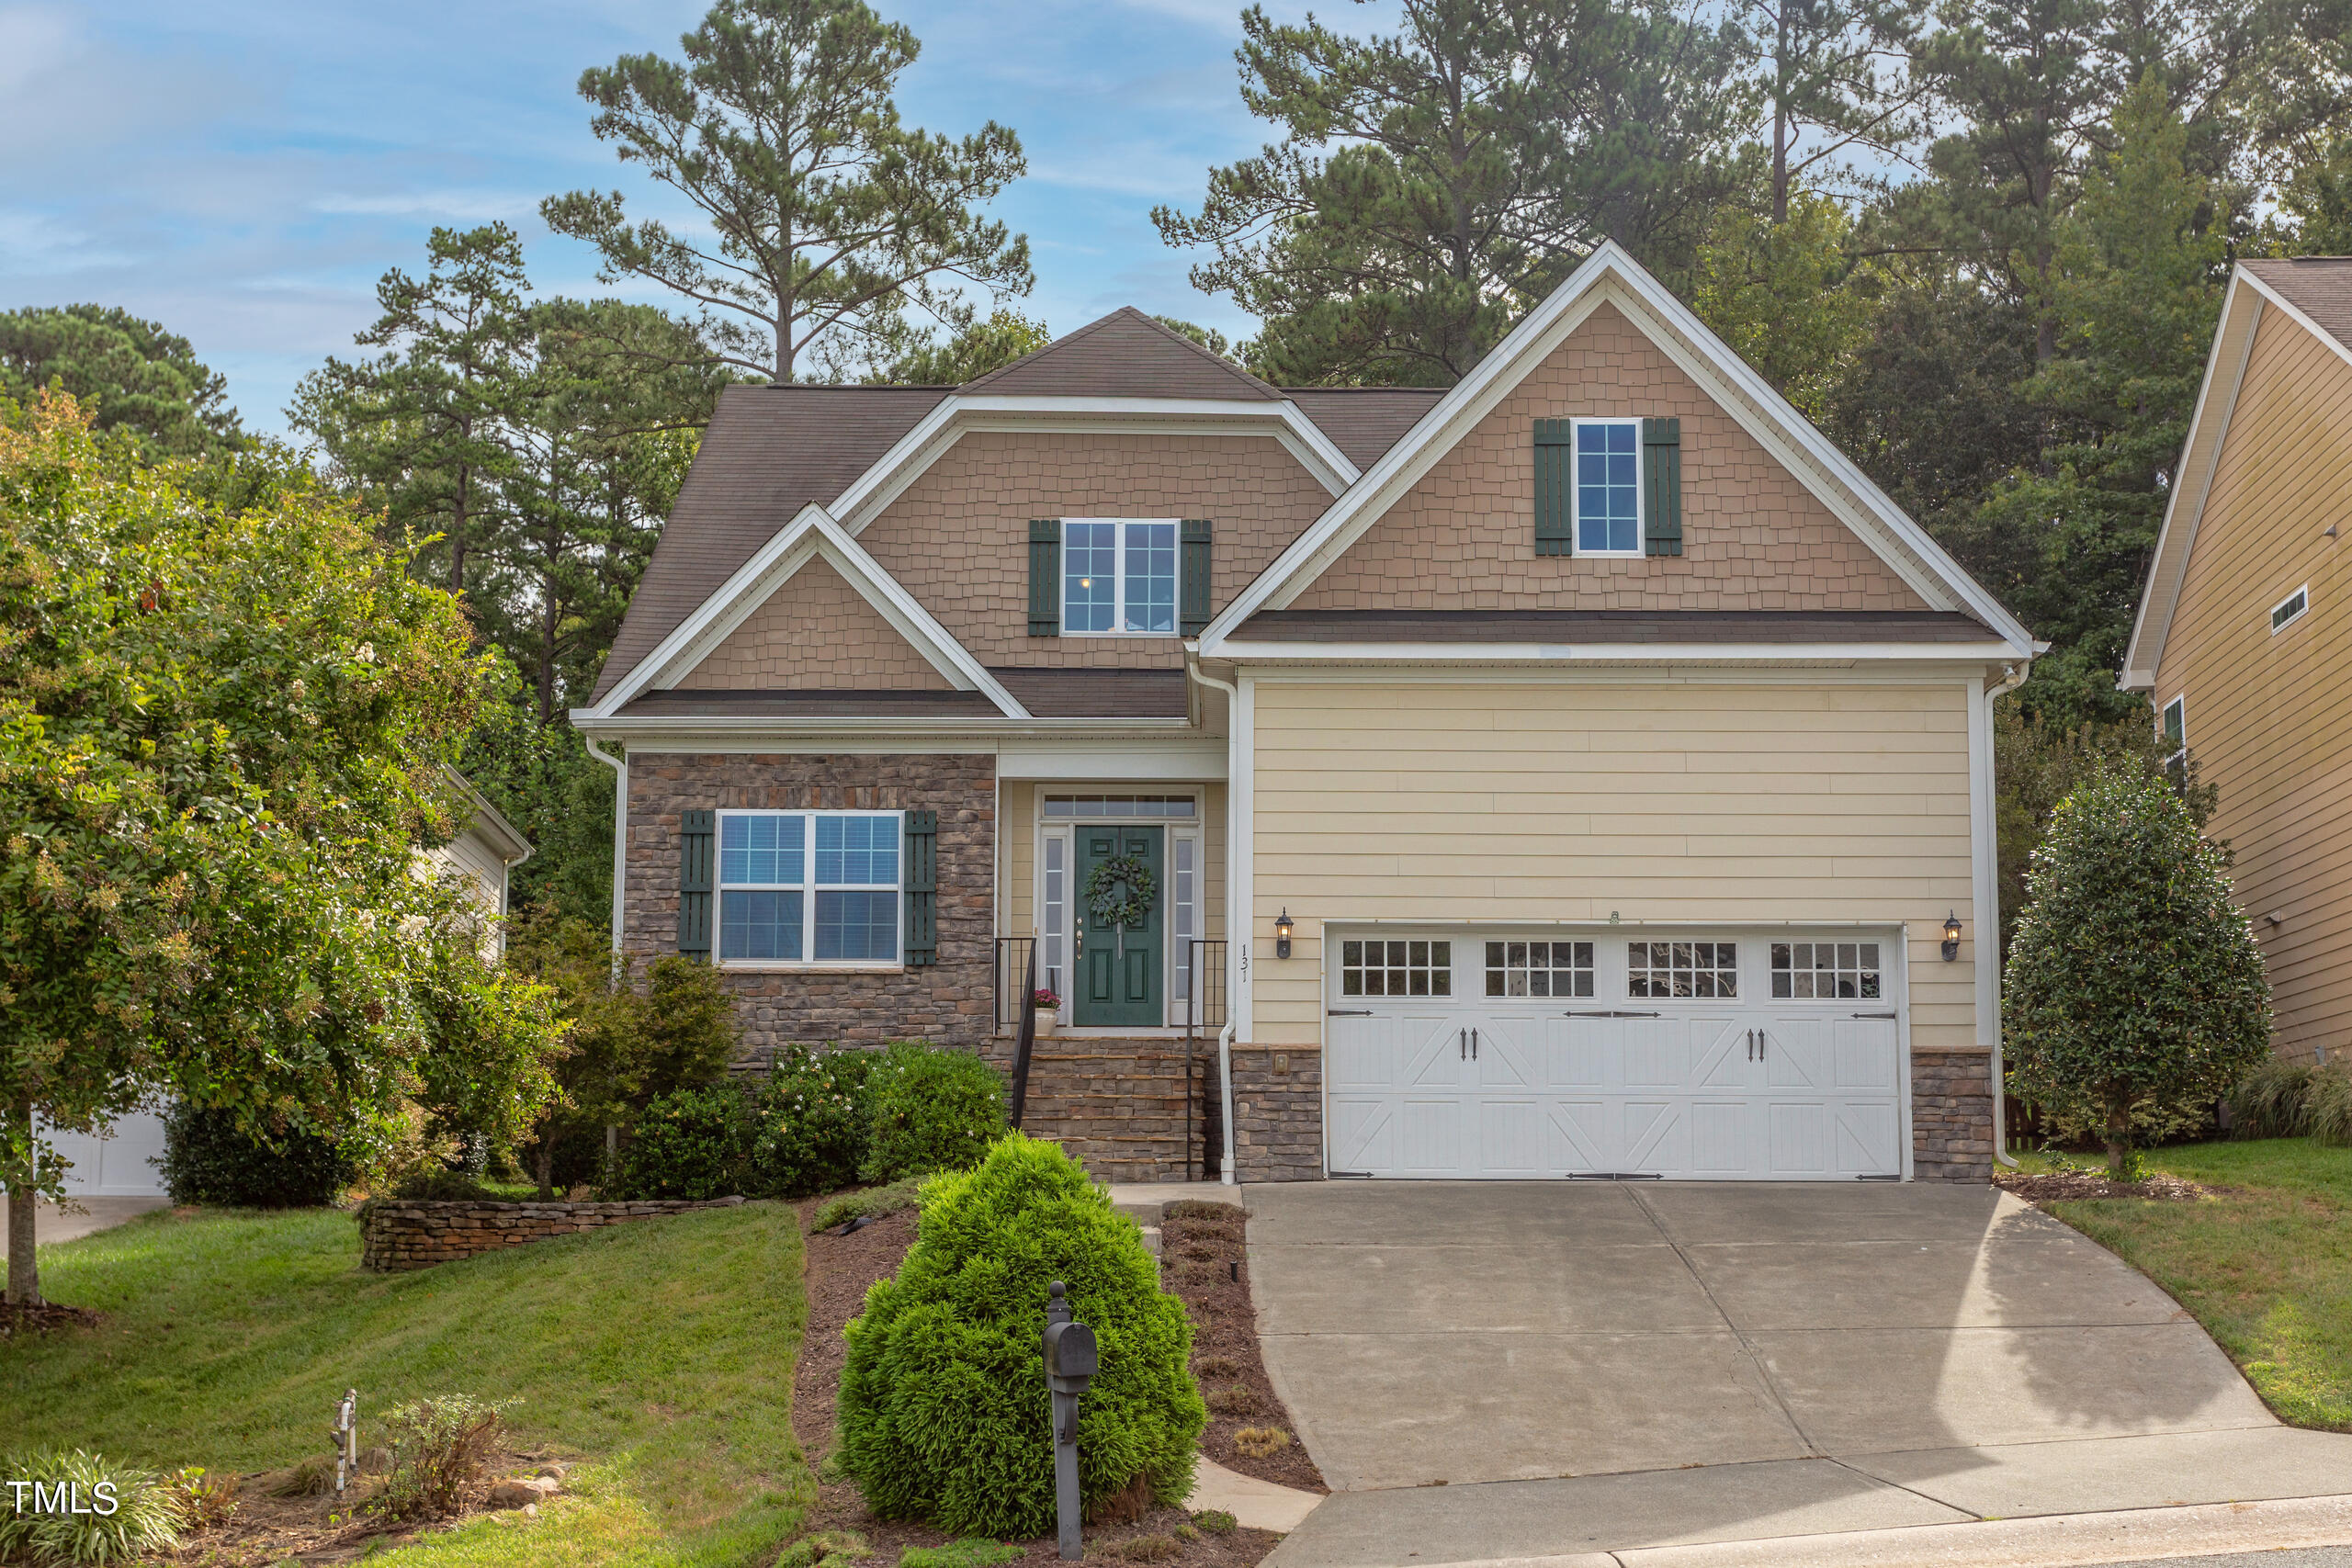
pixel 1232 761
pixel 620 826
pixel 2010 681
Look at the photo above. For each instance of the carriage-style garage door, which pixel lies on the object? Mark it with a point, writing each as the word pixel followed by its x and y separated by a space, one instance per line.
pixel 1710 1055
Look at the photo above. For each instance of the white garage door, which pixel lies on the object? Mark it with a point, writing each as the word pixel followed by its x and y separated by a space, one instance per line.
pixel 120 1165
pixel 1709 1055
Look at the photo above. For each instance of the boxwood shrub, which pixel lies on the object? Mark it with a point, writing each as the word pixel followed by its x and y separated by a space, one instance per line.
pixel 944 1414
pixel 693 1144
pixel 811 1116
pixel 930 1109
pixel 208 1159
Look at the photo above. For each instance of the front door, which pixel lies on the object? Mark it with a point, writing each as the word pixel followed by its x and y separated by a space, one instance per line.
pixel 1119 972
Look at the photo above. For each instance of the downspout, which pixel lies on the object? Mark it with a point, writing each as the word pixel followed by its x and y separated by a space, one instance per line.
pixel 621 827
pixel 2013 678
pixel 1232 760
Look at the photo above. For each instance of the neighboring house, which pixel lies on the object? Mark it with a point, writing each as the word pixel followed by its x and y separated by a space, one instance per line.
pixel 121 1164
pixel 1572 771
pixel 2243 642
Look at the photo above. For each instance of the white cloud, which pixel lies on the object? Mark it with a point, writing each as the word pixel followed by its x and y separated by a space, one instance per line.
pixel 469 206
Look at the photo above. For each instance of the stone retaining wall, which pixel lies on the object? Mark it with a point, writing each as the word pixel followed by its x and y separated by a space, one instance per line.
pixel 1277 1114
pixel 1952 1115
pixel 396 1236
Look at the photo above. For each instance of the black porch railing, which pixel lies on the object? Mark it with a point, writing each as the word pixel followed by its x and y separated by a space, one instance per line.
pixel 1204 1020
pixel 1013 958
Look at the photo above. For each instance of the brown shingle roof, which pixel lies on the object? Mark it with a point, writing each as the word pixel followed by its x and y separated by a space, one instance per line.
pixel 1365 422
pixel 1125 354
pixel 1097 693
pixel 809 704
pixel 2320 287
pixel 769 452
pixel 1612 626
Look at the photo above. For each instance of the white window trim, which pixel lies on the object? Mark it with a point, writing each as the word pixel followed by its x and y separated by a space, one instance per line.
pixel 2277 625
pixel 808 888
pixel 1189 833
pixel 1119 580
pixel 2181 702
pixel 1049 833
pixel 1576 494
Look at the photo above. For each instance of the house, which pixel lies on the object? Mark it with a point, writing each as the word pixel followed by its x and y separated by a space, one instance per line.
pixel 2242 631
pixel 1582 769
pixel 121 1163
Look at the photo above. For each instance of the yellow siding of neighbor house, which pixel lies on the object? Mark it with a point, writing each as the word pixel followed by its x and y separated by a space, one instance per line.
pixel 2267 714
pixel 1660 802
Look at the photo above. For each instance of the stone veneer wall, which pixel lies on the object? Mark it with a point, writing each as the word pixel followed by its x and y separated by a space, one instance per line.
pixel 1277 1114
pixel 1116 1106
pixel 396 1236
pixel 952 1002
pixel 1952 1115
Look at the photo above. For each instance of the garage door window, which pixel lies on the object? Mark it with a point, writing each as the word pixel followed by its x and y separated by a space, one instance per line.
pixel 1816 970
pixel 1397 968
pixel 1539 969
pixel 1681 970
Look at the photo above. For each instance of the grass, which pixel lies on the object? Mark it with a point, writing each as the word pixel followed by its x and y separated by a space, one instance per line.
pixel 2267 1269
pixel 659 1353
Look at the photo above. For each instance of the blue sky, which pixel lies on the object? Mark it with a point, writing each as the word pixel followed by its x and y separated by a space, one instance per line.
pixel 244 172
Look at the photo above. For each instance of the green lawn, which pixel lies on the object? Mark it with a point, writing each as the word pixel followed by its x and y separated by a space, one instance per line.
pixel 661 1353
pixel 2267 1271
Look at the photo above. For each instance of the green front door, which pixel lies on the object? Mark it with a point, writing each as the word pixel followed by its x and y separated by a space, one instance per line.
pixel 1118 975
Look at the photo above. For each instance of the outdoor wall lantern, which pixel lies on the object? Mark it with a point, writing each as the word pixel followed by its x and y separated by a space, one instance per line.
pixel 1952 937
pixel 1283 928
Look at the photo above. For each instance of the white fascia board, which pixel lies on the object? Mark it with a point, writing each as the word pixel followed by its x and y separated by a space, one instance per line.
pixel 1610 274
pixel 1261 653
pixel 1192 759
pixel 957 414
pixel 810 534
pixel 672 734
pixel 2208 426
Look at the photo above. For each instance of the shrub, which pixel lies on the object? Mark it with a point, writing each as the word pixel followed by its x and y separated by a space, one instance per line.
pixel 811 1123
pixel 944 1409
pixel 2328 1113
pixel 208 1159
pixel 445 1187
pixel 146 1521
pixel 1216 1521
pixel 693 1144
pixel 2133 974
pixel 931 1109
pixel 2272 1101
pixel 203 1500
pixel 826 1548
pixel 2183 1119
pixel 441 1446
pixel 874 1203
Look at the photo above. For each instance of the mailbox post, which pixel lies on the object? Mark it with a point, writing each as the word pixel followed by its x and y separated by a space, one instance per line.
pixel 1071 1362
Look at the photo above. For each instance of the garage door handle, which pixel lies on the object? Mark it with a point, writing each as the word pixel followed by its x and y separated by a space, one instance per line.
pixel 1874 1015
pixel 1349 1012
pixel 1465 1044
pixel 1473 1044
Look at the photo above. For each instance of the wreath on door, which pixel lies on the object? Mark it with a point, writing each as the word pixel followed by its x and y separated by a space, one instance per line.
pixel 1118 894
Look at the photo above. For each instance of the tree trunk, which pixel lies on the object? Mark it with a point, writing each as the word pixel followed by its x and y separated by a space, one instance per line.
pixel 24 1269
pixel 1781 120
pixel 545 1163
pixel 2119 1134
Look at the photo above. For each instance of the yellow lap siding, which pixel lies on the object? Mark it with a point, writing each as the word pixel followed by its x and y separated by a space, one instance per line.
pixel 1675 801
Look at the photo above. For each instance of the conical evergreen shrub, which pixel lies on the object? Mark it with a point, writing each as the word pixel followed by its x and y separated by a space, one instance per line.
pixel 944 1413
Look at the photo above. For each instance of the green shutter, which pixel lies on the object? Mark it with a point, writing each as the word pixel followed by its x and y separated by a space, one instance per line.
pixel 1554 523
pixel 698 832
pixel 1193 574
pixel 922 889
pixel 1045 577
pixel 1662 487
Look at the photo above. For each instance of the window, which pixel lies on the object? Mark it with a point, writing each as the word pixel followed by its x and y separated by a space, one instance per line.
pixel 808 886
pixel 1678 970
pixel 2175 728
pixel 2290 608
pixel 1119 806
pixel 1539 969
pixel 1183 907
pixel 1397 968
pixel 1608 486
pixel 1054 894
pixel 1826 970
pixel 1119 578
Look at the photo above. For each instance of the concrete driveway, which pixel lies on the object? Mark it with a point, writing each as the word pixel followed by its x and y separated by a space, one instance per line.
pixel 1493 1371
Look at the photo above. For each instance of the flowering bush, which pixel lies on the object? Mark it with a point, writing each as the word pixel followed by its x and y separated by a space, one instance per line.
pixel 810 1134
pixel 691 1145
pixel 933 1109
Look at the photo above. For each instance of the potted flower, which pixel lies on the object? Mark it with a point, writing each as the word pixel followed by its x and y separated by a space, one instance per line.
pixel 1048 1010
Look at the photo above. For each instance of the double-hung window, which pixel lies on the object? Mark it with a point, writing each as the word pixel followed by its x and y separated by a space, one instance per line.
pixel 1119 577
pixel 2174 729
pixel 1608 490
pixel 809 886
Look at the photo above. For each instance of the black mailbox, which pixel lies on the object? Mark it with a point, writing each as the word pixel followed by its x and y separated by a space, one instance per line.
pixel 1069 1353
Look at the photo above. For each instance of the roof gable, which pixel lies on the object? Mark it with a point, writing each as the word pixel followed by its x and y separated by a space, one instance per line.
pixel 1610 278
pixel 815 632
pixel 1125 354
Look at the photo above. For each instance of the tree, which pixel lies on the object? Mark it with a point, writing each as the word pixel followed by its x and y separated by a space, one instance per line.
pixel 1836 69
pixel 1193 332
pixel 426 427
pixel 2314 215
pixel 1432 185
pixel 222 730
pixel 129 374
pixel 2132 975
pixel 1789 295
pixel 967 356
pixel 827 216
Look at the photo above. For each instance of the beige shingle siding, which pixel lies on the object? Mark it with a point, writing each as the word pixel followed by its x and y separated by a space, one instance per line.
pixel 814 632
pixel 958 538
pixel 1754 538
pixel 1667 801
pixel 2269 717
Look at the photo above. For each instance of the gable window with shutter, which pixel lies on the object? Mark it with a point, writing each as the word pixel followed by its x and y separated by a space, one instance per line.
pixel 820 889
pixel 1118 577
pixel 1609 487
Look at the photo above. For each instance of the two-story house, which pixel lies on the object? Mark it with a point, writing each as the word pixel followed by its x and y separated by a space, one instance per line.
pixel 1585 769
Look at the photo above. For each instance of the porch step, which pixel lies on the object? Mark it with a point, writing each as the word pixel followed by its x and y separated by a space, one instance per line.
pixel 1120 1106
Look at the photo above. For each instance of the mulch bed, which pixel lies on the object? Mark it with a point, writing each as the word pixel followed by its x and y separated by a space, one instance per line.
pixel 2089 1184
pixel 323 1528
pixel 839 1270
pixel 1203 1259
pixel 42 1319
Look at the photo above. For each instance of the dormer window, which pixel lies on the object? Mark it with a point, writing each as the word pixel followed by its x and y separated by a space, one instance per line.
pixel 1119 577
